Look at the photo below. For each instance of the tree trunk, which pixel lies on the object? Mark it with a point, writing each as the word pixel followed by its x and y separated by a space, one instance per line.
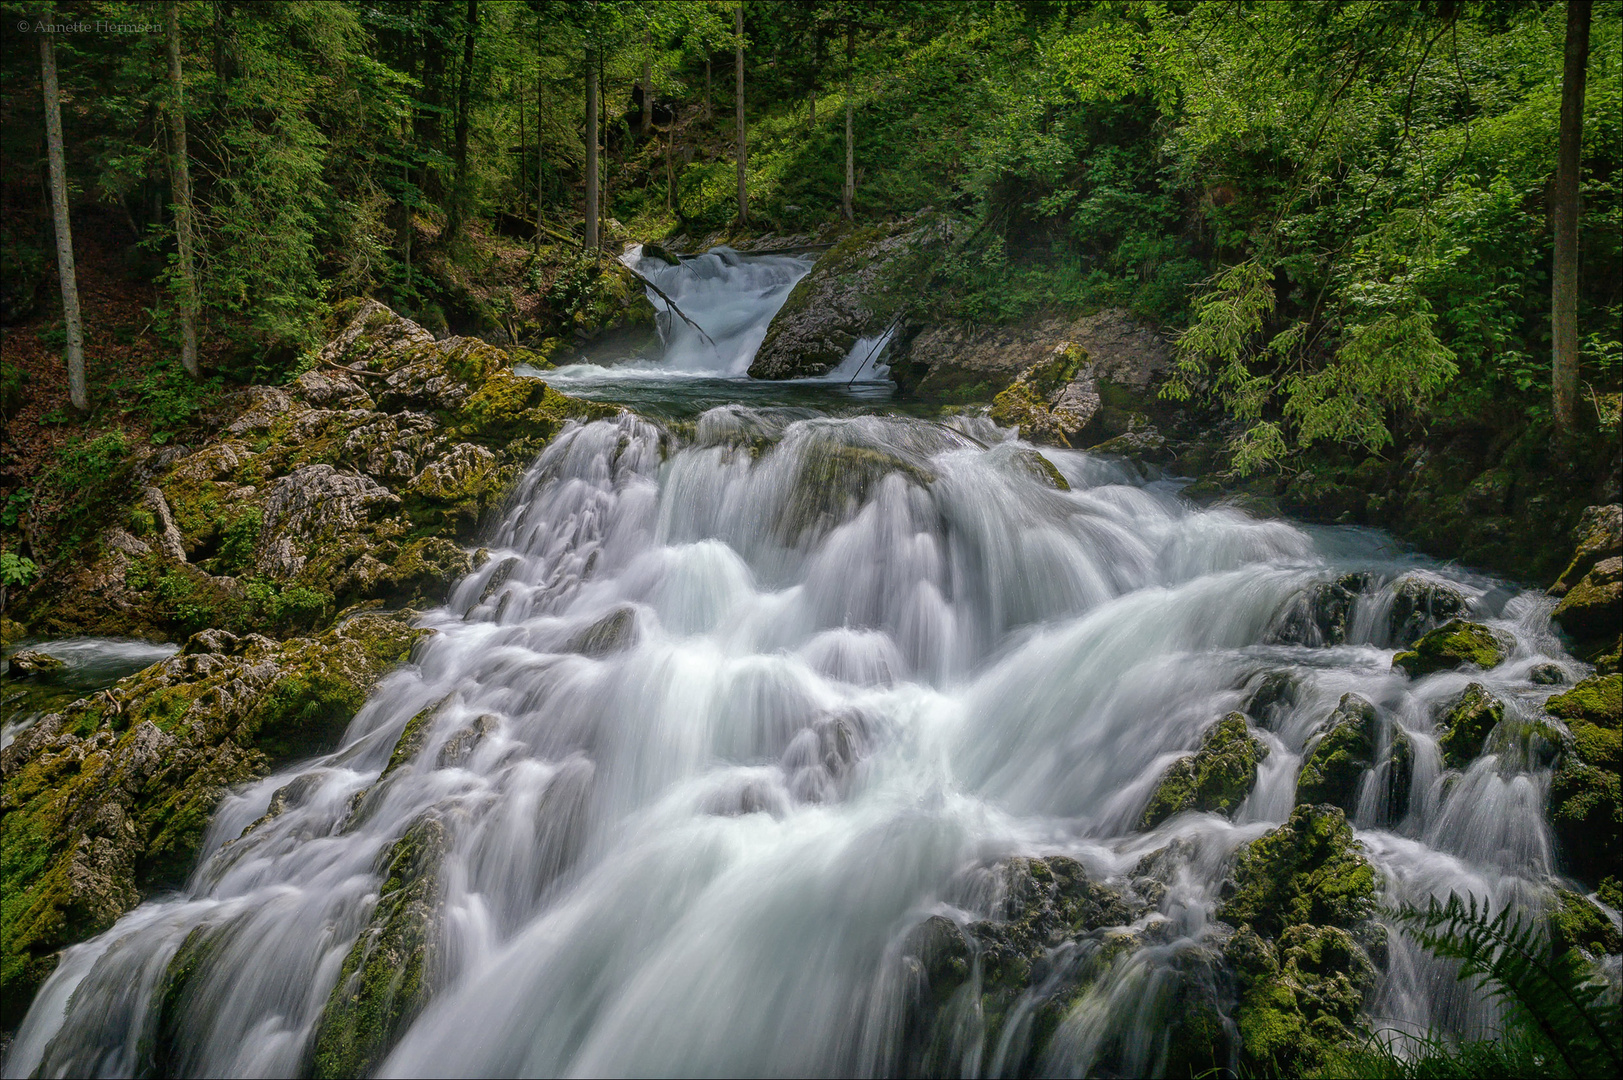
pixel 540 155
pixel 180 175
pixel 647 84
pixel 743 144
pixel 707 113
pixel 811 111
pixel 464 89
pixel 1564 290
pixel 848 192
pixel 64 230
pixel 591 148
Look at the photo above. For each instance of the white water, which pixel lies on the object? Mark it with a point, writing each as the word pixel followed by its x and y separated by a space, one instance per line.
pixel 698 852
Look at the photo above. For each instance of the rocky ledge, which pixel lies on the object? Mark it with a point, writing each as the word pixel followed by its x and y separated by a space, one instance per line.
pixel 307 506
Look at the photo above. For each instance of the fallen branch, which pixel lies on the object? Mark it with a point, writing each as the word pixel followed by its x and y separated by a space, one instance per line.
pixel 665 296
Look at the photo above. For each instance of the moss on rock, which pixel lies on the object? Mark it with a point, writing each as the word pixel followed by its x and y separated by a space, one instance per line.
pixel 1453 645
pixel 1216 778
pixel 1466 724
pixel 1345 748
pixel 1585 808
pixel 1575 923
pixel 1308 871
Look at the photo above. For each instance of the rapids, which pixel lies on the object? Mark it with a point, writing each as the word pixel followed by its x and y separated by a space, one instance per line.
pixel 736 702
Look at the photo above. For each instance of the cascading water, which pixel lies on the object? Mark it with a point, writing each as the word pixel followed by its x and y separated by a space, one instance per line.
pixel 734 706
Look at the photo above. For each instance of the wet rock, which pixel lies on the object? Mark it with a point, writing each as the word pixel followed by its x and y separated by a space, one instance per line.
pixel 1591 613
pixel 1275 694
pixel 1336 762
pixel 1216 778
pixel 33 662
pixel 1308 871
pixel 1576 923
pixel 1454 644
pixel 853 291
pixel 1585 808
pixel 460 747
pixel 412 738
pixel 612 633
pixel 423 572
pixel 1052 401
pixel 386 977
pixel 498 577
pixel 1320 616
pixel 1546 675
pixel 1466 724
pixel 1398 774
pixel 1420 604
pixel 1598 536
pixel 111 797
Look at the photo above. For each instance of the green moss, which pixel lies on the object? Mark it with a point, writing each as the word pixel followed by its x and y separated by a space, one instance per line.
pixel 1597 700
pixel 412 738
pixel 1452 645
pixel 384 980
pixel 1216 778
pixel 1575 923
pixel 1585 815
pixel 1308 871
pixel 1466 725
pixel 1337 761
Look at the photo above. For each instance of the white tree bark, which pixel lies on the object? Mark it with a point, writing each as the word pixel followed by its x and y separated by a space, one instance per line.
pixel 65 269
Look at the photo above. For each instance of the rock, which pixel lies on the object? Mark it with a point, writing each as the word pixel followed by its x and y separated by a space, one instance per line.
pixel 111 798
pixel 33 662
pixel 1546 675
pixel 1052 401
pixel 1308 871
pixel 388 973
pixel 1301 950
pixel 1453 645
pixel 460 747
pixel 1420 604
pixel 1216 778
pixel 612 633
pixel 852 292
pixel 1585 809
pixel 1274 695
pixel 1343 750
pixel 1591 613
pixel 328 389
pixel 1318 617
pixel 312 506
pixel 1576 923
pixel 1466 724
pixel 1599 535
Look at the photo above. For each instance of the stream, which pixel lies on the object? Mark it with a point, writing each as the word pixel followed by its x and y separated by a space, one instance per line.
pixel 758 678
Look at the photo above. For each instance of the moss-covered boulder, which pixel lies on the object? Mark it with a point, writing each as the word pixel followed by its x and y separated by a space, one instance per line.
pixel 1420 604
pixel 109 799
pixel 1453 645
pixel 1585 809
pixel 1300 954
pixel 1575 923
pixel 1216 778
pixel 1319 615
pixel 1343 749
pixel 1466 723
pixel 385 978
pixel 1309 870
pixel 1591 614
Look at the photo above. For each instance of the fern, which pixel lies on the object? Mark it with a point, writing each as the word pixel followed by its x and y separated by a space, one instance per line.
pixel 1512 959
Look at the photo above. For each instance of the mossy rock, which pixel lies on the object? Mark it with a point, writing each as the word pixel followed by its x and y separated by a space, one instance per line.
pixel 1466 724
pixel 1345 749
pixel 1299 998
pixel 1419 604
pixel 385 978
pixel 1584 790
pixel 1309 871
pixel 1453 645
pixel 1216 778
pixel 1575 923
pixel 1591 612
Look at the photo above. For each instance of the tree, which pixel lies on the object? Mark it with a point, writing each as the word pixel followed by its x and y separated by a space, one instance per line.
pixel 459 193
pixel 591 146
pixel 743 145
pixel 1564 285
pixel 848 190
pixel 180 174
pixel 59 211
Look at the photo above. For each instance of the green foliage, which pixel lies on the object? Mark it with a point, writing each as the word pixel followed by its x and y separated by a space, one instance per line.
pixel 17 569
pixel 1555 996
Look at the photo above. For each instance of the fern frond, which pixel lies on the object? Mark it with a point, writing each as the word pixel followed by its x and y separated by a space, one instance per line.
pixel 1511 958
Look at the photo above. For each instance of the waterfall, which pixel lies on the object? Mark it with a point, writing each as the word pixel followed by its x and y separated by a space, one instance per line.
pixel 732 707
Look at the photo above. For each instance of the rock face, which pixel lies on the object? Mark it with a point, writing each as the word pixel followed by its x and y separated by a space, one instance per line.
pixel 351 484
pixel 1591 589
pixel 1466 724
pixel 1216 778
pixel 1304 953
pixel 854 291
pixel 109 799
pixel 1344 750
pixel 1585 809
pixel 972 363
pixel 1452 645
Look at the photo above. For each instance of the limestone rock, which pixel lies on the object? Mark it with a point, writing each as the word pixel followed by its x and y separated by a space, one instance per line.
pixel 1585 809
pixel 312 505
pixel 1454 644
pixel 1591 612
pixel 1216 778
pixel 33 662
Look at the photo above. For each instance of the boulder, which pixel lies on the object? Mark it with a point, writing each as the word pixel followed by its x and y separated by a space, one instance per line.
pixel 1343 750
pixel 854 291
pixel 33 662
pixel 1466 724
pixel 1585 809
pixel 1598 535
pixel 1216 778
pixel 1419 605
pixel 1453 645
pixel 1052 401
pixel 1319 616
pixel 1591 613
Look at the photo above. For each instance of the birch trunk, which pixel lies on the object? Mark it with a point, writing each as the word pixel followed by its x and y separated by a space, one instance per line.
pixel 64 230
